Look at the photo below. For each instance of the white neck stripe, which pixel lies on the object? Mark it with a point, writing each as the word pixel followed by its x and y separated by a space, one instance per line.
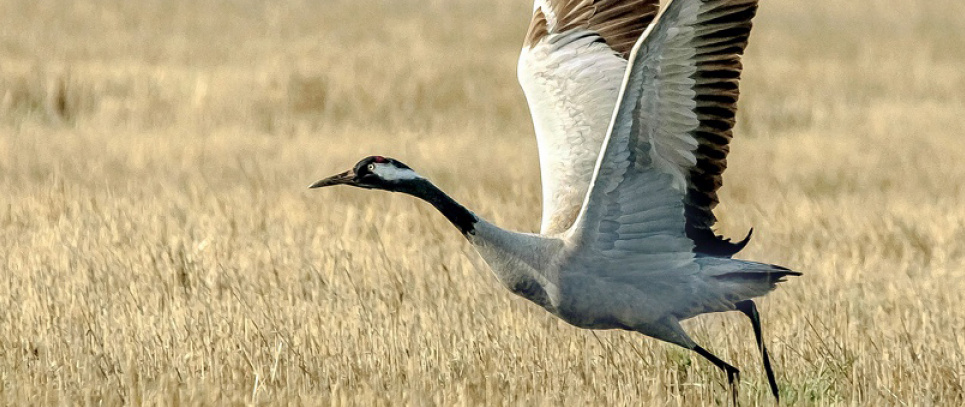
pixel 390 172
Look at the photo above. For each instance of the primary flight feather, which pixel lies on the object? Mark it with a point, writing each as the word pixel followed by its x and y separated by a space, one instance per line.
pixel 633 115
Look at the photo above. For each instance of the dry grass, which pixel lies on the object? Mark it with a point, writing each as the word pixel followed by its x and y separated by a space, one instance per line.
pixel 160 246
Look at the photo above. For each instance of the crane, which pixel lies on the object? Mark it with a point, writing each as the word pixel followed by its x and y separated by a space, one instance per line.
pixel 633 109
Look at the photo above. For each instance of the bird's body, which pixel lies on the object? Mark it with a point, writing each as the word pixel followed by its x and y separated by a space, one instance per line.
pixel 632 146
pixel 555 274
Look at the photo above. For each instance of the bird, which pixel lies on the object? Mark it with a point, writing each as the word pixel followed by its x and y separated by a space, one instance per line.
pixel 633 108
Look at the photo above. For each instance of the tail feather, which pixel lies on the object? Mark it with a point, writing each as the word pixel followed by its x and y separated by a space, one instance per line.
pixel 773 272
pixel 730 281
pixel 743 280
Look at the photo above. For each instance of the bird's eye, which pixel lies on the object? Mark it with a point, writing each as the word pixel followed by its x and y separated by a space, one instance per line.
pixel 372 167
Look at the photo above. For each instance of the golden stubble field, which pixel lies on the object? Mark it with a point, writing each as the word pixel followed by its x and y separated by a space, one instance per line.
pixel 159 245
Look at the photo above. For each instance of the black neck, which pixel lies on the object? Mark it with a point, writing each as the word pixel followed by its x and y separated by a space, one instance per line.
pixel 460 217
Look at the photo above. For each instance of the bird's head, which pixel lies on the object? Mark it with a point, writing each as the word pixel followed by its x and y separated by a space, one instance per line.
pixel 375 172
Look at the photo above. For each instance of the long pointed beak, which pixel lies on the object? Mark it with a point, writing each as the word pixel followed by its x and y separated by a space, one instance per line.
pixel 345 178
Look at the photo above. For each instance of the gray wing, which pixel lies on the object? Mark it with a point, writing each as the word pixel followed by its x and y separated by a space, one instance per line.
pixel 571 68
pixel 672 121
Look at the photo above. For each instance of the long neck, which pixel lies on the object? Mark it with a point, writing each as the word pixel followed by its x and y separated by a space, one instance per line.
pixel 461 218
pixel 519 260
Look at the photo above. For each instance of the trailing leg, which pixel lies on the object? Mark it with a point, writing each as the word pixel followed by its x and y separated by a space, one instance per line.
pixel 750 309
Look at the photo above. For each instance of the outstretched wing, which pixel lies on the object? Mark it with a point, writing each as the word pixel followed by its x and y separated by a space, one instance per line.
pixel 571 68
pixel 657 178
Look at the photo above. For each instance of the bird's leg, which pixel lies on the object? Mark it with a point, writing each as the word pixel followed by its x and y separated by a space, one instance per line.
pixel 750 309
pixel 733 375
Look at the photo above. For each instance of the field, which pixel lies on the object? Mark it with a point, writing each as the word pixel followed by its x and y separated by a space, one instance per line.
pixel 159 245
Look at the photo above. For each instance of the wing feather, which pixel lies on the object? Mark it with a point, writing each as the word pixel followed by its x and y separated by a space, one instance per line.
pixel 571 68
pixel 658 173
pixel 619 23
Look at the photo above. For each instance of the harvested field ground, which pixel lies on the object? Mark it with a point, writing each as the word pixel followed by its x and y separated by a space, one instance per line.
pixel 160 245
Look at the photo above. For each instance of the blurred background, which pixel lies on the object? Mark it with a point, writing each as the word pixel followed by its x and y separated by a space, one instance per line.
pixel 159 244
